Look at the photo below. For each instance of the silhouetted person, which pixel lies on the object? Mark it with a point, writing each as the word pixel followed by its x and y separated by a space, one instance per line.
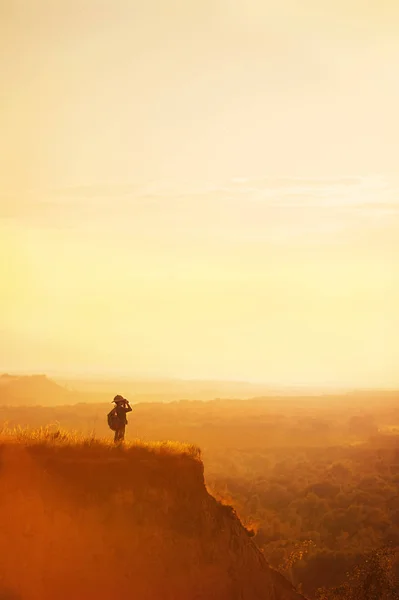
pixel 118 416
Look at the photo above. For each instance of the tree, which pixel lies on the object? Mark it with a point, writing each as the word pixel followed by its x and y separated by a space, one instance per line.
pixel 372 579
pixel 299 551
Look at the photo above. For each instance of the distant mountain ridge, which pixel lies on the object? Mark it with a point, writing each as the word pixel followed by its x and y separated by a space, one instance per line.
pixel 29 390
pixel 41 390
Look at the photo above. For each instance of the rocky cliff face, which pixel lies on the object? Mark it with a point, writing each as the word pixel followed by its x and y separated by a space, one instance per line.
pixel 98 523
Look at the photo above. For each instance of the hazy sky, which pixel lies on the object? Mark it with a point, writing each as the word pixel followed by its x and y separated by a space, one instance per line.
pixel 201 188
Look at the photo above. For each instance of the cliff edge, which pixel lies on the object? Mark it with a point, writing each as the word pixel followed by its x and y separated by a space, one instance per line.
pixel 86 520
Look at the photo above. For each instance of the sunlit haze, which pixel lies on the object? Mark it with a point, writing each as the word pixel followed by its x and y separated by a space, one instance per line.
pixel 201 188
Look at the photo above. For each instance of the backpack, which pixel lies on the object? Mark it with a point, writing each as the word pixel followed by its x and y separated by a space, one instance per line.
pixel 113 421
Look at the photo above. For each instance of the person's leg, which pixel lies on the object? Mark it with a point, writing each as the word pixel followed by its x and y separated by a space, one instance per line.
pixel 119 435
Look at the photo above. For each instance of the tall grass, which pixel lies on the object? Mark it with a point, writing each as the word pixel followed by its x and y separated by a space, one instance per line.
pixel 53 435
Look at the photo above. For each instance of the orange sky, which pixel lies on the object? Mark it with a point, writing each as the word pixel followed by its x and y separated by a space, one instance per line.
pixel 201 189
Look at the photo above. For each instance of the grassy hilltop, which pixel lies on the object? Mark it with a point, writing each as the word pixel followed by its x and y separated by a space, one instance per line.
pixel 85 519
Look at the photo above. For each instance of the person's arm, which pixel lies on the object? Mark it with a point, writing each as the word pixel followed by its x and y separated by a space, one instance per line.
pixel 128 408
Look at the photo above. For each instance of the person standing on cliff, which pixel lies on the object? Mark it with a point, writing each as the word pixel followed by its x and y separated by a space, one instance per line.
pixel 117 420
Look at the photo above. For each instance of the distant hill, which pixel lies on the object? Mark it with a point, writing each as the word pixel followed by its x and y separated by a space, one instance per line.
pixel 41 390
pixel 32 390
pixel 167 389
pixel 98 522
pixel 38 389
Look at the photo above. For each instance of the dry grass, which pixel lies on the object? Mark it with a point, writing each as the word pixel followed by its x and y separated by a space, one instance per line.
pixel 53 436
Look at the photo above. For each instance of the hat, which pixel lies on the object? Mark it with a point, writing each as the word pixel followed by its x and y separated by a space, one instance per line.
pixel 118 398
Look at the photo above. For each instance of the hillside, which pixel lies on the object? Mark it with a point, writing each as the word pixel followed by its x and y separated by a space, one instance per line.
pixel 85 519
pixel 31 390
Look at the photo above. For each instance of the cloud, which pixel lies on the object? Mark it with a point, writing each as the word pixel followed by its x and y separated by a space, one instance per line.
pixel 273 209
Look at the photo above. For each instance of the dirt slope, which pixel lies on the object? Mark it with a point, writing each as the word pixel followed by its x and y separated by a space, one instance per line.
pixel 97 523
